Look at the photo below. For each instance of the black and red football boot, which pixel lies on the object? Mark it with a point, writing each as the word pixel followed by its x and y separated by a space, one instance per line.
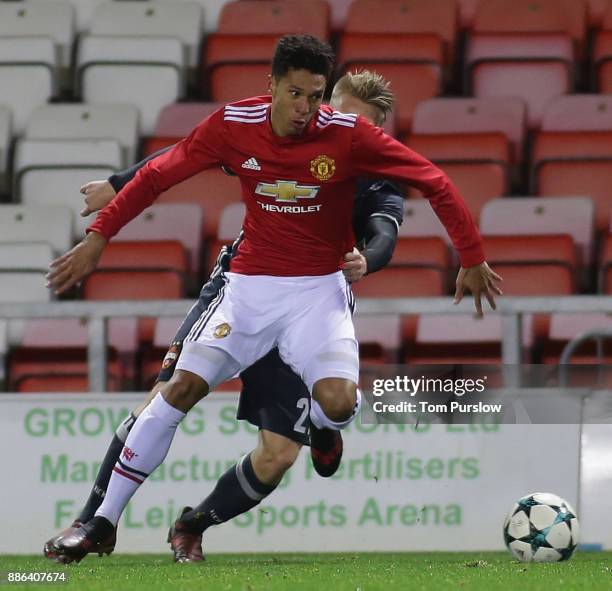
pixel 186 545
pixel 325 450
pixel 97 536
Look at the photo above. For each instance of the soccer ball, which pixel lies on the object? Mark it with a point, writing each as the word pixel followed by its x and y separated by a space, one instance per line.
pixel 541 527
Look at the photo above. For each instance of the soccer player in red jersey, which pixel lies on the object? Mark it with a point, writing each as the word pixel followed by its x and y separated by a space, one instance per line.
pixel 297 163
pixel 273 398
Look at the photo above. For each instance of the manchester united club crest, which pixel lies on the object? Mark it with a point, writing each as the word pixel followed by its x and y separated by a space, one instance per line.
pixel 322 167
pixel 222 330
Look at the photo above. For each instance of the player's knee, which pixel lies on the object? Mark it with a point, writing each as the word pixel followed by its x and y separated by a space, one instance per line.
pixel 184 390
pixel 337 397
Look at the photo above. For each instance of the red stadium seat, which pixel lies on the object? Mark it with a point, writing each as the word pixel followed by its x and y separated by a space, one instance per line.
pixel 404 60
pixel 234 82
pixel 134 285
pixel 572 154
pixel 460 339
pixel 400 282
pixel 526 48
pixel 178 119
pixel 237 56
pixel 142 255
pixel 478 183
pixel 531 249
pixel 212 189
pixel 579 112
pixel 176 122
pixel 61 383
pixel 421 252
pixel 477 164
pixel 269 17
pixel 55 369
pixel 537 280
pixel 50 337
pixel 591 178
pixel 397 17
pixel 409 44
pixel 237 67
pixel 475 147
pixel 532 16
pixel 420 221
pixel 178 222
pixel 536 69
pixel 459 116
pixel 379 338
pixel 542 215
pixel 534 251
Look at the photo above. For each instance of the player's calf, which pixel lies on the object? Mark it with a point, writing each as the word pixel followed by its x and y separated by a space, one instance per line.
pixel 273 456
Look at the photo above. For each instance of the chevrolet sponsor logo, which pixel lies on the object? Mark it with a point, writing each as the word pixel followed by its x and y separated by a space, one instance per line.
pixel 289 208
pixel 287 191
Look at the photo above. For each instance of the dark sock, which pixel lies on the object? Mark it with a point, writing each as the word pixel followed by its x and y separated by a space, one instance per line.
pixel 236 492
pixel 106 469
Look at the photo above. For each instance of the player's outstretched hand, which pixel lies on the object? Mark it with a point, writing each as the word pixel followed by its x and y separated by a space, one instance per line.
pixel 77 263
pixel 479 280
pixel 355 266
pixel 98 194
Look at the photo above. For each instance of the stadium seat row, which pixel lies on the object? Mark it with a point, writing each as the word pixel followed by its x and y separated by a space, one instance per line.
pixel 482 144
pixel 150 50
pixel 555 233
pixel 50 355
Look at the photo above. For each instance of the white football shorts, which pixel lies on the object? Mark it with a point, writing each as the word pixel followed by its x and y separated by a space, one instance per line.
pixel 307 318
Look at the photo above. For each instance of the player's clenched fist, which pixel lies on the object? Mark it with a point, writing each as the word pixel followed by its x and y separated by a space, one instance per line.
pixel 355 266
pixel 77 263
pixel 98 194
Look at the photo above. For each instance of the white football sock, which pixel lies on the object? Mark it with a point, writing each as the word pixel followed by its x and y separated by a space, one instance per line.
pixel 321 421
pixel 145 448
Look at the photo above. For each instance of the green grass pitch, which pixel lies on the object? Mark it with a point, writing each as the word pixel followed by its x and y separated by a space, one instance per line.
pixel 334 572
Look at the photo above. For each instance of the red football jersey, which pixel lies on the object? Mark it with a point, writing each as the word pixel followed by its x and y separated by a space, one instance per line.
pixel 298 191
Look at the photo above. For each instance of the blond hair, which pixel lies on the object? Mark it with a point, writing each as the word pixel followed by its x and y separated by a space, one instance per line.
pixel 369 87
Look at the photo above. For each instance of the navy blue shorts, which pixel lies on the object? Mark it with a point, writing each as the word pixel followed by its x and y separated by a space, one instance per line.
pixel 273 397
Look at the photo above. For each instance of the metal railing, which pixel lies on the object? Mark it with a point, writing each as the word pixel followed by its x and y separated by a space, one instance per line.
pixel 511 310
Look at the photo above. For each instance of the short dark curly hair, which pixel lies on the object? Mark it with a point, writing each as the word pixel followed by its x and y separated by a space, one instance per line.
pixel 303 52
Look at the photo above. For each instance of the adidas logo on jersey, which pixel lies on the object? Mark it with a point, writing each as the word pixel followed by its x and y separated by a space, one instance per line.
pixel 251 164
